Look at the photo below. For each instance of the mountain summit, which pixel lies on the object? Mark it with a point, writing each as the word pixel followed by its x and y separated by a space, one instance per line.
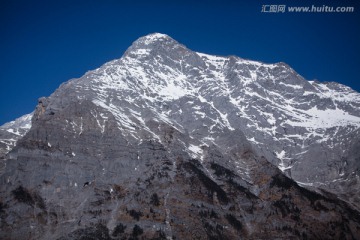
pixel 154 39
pixel 168 143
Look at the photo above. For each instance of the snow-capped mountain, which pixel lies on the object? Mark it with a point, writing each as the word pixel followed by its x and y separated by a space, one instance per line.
pixel 308 129
pixel 187 133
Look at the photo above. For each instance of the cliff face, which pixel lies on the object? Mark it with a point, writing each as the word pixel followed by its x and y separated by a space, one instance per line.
pixel 169 143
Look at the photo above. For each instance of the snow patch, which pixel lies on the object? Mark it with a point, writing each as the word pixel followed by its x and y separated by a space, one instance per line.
pixel 196 151
pixel 328 118
pixel 281 156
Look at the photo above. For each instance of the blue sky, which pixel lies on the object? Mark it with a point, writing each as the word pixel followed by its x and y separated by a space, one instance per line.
pixel 45 43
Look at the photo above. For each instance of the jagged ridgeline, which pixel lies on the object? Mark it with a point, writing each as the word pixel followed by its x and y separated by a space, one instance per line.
pixel 168 143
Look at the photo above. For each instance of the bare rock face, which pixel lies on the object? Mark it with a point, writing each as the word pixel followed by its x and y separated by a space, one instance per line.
pixel 167 143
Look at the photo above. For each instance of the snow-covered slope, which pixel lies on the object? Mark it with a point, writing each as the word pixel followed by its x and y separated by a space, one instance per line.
pixel 10 132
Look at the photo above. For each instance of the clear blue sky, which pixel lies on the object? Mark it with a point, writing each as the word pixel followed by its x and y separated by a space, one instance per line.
pixel 45 43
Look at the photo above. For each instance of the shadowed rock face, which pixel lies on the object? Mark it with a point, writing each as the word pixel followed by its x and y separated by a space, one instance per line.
pixel 146 147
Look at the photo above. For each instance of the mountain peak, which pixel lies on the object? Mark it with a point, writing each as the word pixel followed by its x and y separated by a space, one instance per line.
pixel 152 37
pixel 154 41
